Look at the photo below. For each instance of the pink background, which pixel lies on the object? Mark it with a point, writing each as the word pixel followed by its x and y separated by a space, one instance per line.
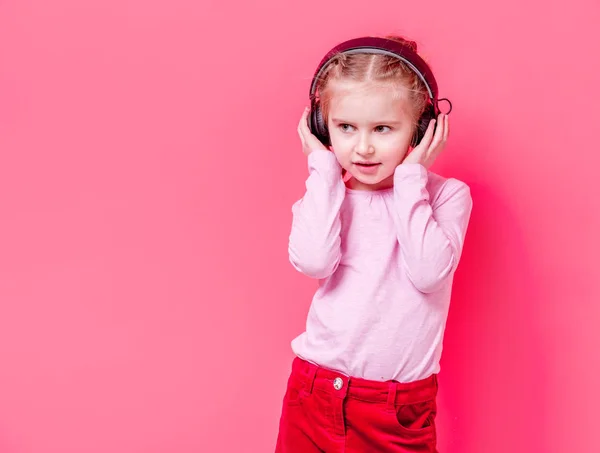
pixel 149 160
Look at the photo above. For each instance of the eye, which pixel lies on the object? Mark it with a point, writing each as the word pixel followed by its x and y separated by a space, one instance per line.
pixel 383 129
pixel 345 127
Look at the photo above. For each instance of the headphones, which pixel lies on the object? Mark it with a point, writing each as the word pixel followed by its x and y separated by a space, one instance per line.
pixel 380 46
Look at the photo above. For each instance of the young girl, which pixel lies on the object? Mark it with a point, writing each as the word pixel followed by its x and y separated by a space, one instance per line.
pixel 384 236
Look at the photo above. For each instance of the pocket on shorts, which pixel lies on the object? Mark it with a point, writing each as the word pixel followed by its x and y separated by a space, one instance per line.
pixel 294 392
pixel 416 419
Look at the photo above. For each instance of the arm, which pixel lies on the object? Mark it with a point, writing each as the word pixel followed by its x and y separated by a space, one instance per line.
pixel 314 242
pixel 431 237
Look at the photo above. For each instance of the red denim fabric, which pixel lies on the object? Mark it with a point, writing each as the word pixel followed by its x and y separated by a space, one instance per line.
pixel 326 411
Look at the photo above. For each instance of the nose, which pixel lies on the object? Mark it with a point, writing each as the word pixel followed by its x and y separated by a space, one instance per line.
pixel 363 147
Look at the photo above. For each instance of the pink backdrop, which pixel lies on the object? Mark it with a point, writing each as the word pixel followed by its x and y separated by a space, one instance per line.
pixel 149 160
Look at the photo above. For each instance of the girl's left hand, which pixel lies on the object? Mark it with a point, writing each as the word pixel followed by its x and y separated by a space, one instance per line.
pixel 431 145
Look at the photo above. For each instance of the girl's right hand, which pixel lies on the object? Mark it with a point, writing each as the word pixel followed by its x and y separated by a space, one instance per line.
pixel 432 144
pixel 309 141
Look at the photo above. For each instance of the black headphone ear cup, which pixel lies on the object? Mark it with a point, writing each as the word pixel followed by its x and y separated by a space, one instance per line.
pixel 318 126
pixel 422 124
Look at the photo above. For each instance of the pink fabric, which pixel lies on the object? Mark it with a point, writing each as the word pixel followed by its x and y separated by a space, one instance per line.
pixel 385 260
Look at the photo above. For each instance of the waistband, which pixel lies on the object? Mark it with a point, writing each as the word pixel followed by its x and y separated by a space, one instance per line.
pixel 313 377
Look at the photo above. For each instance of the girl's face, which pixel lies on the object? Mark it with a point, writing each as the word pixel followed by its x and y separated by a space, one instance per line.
pixel 370 127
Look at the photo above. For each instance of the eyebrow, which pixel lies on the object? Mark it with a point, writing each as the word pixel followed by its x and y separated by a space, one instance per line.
pixel 337 120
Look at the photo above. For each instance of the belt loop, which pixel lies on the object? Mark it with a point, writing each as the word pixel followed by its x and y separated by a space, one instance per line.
pixel 311 373
pixel 391 401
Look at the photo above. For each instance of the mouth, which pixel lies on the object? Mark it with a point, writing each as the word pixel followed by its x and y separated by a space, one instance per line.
pixel 366 164
pixel 367 168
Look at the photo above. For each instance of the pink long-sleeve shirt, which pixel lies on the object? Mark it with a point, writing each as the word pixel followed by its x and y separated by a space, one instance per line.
pixel 385 261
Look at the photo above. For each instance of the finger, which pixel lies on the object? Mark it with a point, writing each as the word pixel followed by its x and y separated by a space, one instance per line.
pixel 303 124
pixel 304 120
pixel 439 132
pixel 420 152
pixel 444 120
pixel 428 136
pixel 301 137
pixel 300 133
pixel 446 128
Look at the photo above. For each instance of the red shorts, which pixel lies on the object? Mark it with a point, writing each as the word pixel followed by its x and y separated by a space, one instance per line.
pixel 325 411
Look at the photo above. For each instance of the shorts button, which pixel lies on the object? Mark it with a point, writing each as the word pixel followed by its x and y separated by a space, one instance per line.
pixel 338 383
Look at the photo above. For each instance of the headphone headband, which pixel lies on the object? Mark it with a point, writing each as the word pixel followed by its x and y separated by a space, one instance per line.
pixel 383 46
pixel 379 46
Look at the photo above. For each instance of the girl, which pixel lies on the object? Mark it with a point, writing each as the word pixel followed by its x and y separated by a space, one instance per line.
pixel 384 236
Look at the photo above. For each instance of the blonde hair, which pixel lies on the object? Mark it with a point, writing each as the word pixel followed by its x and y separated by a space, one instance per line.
pixel 374 68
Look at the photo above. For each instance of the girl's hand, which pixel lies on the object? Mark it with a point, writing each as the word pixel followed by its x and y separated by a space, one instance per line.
pixel 309 141
pixel 431 145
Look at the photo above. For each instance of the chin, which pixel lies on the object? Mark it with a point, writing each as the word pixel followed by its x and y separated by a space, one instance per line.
pixel 374 182
pixel 371 180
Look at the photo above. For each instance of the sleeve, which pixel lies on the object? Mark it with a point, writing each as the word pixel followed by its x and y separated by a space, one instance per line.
pixel 314 241
pixel 431 236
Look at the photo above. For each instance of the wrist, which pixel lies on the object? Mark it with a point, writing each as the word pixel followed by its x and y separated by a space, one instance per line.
pixel 323 158
pixel 410 172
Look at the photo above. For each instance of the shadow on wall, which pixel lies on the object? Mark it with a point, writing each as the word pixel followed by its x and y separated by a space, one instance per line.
pixel 493 377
